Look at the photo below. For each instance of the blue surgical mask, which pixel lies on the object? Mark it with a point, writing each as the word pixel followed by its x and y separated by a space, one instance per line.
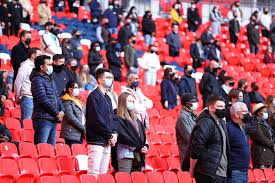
pixel 76 92
pixel 240 99
pixel 130 106
pixel 135 84
pixel 111 7
pixel 108 83
pixel 273 104
pixel 264 116
pixel 194 106
pixel 50 70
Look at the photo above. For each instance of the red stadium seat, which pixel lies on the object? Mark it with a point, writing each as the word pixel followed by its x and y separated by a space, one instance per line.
pixel 45 150
pixel 58 139
pixel 78 149
pixel 174 150
pixel 85 178
pixel 62 150
pixel 149 164
pixel 173 163
pixel 28 166
pixel 164 150
pixel 8 150
pixel 155 139
pixel 123 177
pixel 27 136
pixel 160 164
pixel 14 126
pixel 16 113
pixel 69 179
pixel 251 178
pixel 105 178
pixel 28 124
pixel 167 139
pixel 138 177
pixel 152 151
pixel 170 176
pixel 8 170
pixel 66 165
pixel 259 175
pixel 49 179
pixel 184 177
pixel 27 149
pixel 269 175
pixel 154 177
pixel 47 166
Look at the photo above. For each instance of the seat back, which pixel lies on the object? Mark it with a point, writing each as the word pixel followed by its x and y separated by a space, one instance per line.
pixel 184 177
pixel 78 149
pixel 49 179
pixel 173 163
pixel 105 178
pixel 47 166
pixel 62 150
pixel 28 124
pixel 154 177
pixel 170 176
pixel 160 164
pixel 86 178
pixel 69 179
pixel 138 177
pixel 27 136
pixel 66 164
pixel 8 150
pixel 123 177
pixel 27 149
pixel 45 150
pixel 28 166
pixel 9 167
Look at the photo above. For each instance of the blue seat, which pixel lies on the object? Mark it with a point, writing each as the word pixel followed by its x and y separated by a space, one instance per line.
pixel 55 18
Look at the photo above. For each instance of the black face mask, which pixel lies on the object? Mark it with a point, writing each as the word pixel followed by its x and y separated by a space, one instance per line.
pixel 28 41
pixel 190 72
pixel 56 31
pixel 74 68
pixel 134 41
pixel 246 118
pixel 52 30
pixel 231 83
pixel 245 87
pixel 220 113
pixel 58 68
pixel 77 36
pixel 215 70
pixel 256 88
pixel 114 45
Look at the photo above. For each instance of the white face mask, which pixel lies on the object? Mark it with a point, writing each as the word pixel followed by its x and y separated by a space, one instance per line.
pixel 265 116
pixel 50 70
pixel 130 106
pixel 76 92
pixel 97 48
pixel 194 106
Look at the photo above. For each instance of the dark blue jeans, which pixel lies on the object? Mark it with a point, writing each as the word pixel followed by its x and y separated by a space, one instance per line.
pixel 238 177
pixel 26 105
pixel 45 132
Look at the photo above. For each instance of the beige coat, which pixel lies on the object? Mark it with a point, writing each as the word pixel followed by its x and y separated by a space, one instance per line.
pixel 44 13
pixel 27 7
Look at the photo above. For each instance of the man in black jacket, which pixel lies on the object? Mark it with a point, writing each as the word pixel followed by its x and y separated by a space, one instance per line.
pixel 209 146
pixel 234 28
pixel 124 33
pixel 19 52
pixel 209 84
pixel 242 85
pixel 207 37
pixel 187 83
pixel 193 18
pixel 114 61
pixel 254 95
pixel 148 28
pixel 16 11
pixel 4 17
pixel 253 35
pixel 197 53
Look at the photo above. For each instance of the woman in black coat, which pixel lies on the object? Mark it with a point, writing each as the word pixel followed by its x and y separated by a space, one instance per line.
pixel 95 60
pixel 131 143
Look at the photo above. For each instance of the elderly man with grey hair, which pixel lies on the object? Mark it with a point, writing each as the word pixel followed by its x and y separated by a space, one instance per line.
pixel 239 142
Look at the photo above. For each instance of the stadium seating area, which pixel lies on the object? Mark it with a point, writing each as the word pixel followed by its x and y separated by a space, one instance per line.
pixel 44 164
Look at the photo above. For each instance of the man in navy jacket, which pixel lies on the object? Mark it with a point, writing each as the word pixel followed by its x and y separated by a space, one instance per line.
pixel 101 124
pixel 187 83
pixel 113 19
pixel 48 108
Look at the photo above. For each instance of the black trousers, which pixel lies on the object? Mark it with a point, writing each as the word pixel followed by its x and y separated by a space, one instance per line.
pixel 14 28
pixel 265 33
pixel 173 52
pixel 200 178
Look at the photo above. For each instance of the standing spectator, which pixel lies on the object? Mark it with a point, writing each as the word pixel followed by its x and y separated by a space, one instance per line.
pixel 22 85
pixel 209 144
pixel 70 69
pixel 131 142
pixel 270 105
pixel 95 9
pixel 4 17
pixel 95 60
pixel 114 61
pixel 226 87
pixel 269 57
pixel 73 123
pixel 66 47
pixel 3 92
pixel 112 17
pixel 176 18
pixel 50 44
pixel 209 84
pixel 262 147
pixel 19 52
pixel 118 10
pixel 148 28
pixel 253 35
pixel 197 53
pixel 86 80
pixel 135 21
pixel 151 64
pixel 44 12
pixel 130 55
pixel 16 11
pixel 185 124
pixel 142 103
pixel 169 93
pixel 48 108
pixel 265 22
pixel 103 34
pixel 216 20
pixel 101 125
pixel 254 95
pixel 173 40
pixel 76 46
pixel 59 5
pixel 239 11
pixel 242 85
pixel 239 143
pixel 214 51
pixel 124 33
pixel 187 83
pixel 27 10
pixel 235 95
pixel 234 28
pixel 193 18
pixel 272 34
pixel 76 5
pixel 207 37
pixel 59 75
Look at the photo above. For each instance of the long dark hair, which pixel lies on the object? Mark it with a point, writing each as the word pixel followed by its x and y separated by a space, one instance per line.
pixel 69 85
pixel 167 73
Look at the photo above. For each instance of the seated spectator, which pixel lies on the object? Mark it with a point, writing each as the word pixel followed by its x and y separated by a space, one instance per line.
pixel 59 75
pixel 243 86
pixel 49 42
pixel 169 93
pixel 131 144
pixel 175 14
pixel 86 80
pixel 27 10
pixel 262 147
pixel 134 25
pixel 44 12
pixel 197 53
pixel 193 18
pixel 114 60
pixel 59 5
pixel 214 51
pixel 148 28
pixel 70 69
pixel 185 124
pixel 130 55
pixel 269 57
pixel 150 63
pixel 48 108
pixel 173 40
pixel 207 37
pixel 226 87
pixel 76 46
pixel 187 83
pixel 124 33
pixel 67 49
pixel 73 123
pixel 102 33
pixel 3 92
pixel 95 60
pixel 216 20
pixel 112 16
pixel 235 95
pixel 254 95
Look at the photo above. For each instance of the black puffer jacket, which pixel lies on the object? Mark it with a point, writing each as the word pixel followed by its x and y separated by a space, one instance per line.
pixel 206 145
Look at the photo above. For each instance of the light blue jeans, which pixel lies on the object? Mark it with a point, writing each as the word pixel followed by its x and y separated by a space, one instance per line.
pixel 133 71
pixel 26 105
pixel 238 177
pixel 45 132
pixel 148 39
pixel 151 77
